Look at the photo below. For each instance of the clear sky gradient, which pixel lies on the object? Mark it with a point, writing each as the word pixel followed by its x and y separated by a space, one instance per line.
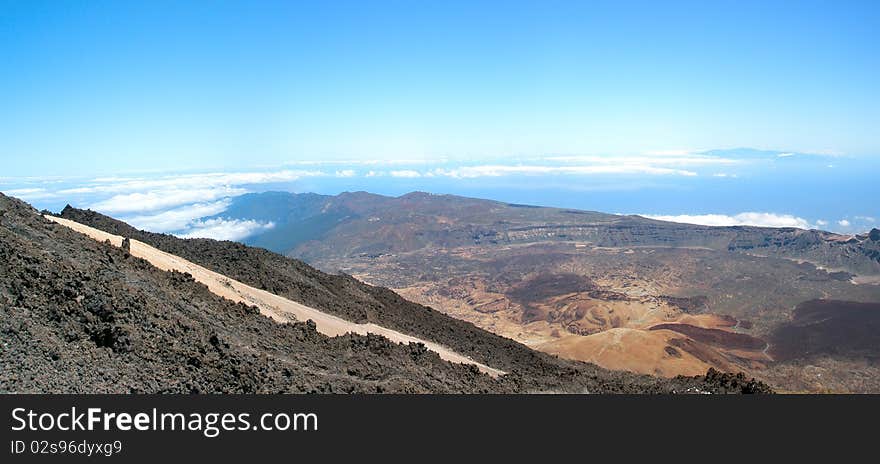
pixel 103 87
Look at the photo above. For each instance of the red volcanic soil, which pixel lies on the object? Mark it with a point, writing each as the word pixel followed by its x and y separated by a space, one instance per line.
pixel 829 327
pixel 716 337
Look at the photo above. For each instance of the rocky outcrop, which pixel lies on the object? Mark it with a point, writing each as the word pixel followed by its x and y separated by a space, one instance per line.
pixel 734 382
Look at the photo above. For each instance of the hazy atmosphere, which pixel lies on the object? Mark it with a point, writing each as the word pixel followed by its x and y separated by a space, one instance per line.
pixel 622 107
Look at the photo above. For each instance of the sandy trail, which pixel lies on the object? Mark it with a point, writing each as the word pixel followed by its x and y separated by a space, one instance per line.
pixel 271 305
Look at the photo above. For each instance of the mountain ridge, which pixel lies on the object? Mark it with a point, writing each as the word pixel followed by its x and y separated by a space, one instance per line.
pixel 528 370
pixel 353 215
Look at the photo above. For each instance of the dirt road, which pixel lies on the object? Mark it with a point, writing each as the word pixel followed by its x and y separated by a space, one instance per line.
pixel 269 304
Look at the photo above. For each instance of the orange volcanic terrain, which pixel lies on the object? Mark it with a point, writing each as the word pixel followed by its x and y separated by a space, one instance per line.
pixel 655 311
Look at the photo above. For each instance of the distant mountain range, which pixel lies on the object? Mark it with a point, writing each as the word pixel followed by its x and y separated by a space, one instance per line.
pixel 315 226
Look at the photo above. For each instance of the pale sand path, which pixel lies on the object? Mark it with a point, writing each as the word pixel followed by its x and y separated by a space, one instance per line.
pixel 271 305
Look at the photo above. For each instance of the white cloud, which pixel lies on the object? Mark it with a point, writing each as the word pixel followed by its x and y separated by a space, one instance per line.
pixel 784 155
pixel 225 229
pixel 742 219
pixel 29 194
pixel 673 152
pixel 843 223
pixel 670 159
pixel 867 218
pixel 407 173
pixel 113 179
pixel 24 191
pixel 177 218
pixel 669 163
pixel 467 172
pixel 170 203
pixel 821 223
pixel 127 195
pixel 369 162
pixel 162 199
pixel 189 181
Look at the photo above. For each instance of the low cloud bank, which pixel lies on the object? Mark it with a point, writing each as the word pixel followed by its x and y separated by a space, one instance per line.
pixel 742 219
pixel 177 219
pixel 225 229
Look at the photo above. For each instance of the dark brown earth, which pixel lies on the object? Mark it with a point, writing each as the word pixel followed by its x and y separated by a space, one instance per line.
pixel 538 288
pixel 690 305
pixel 82 316
pixel 829 327
pixel 716 337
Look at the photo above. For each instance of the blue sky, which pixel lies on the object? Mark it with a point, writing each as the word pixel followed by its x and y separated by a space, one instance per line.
pixel 103 87
pixel 158 112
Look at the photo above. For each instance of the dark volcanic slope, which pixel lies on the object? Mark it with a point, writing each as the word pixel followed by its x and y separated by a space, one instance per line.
pixel 81 316
pixel 344 296
pixel 829 327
